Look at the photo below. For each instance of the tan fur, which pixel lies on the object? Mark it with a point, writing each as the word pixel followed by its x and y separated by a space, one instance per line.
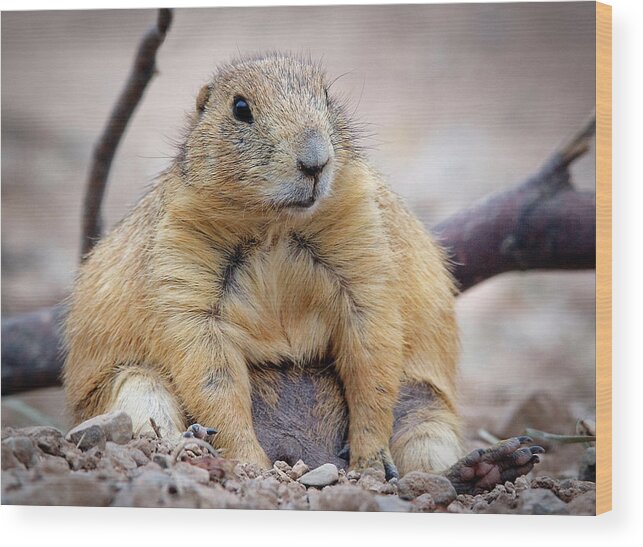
pixel 213 271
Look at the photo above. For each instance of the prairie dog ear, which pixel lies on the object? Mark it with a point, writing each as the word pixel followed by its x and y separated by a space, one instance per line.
pixel 202 98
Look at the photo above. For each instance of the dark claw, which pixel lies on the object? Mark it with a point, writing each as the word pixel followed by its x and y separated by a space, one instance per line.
pixel 390 471
pixel 537 449
pixel 200 432
pixel 524 439
pixel 345 453
pixel 518 458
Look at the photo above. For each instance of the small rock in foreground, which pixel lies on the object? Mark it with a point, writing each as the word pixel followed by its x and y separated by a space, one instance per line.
pixel 113 426
pixel 342 497
pixel 416 483
pixel 321 476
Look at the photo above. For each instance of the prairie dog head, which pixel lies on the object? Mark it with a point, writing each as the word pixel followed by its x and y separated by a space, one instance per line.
pixel 267 135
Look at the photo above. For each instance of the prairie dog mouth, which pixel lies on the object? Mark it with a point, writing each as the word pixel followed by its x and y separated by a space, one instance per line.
pixel 303 204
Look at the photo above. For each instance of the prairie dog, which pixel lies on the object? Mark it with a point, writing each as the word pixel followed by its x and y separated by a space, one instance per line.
pixel 269 240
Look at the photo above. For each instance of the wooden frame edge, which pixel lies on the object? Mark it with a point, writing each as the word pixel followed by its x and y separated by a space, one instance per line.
pixel 603 258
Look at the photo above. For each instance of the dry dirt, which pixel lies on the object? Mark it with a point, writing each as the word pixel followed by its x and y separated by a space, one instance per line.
pixel 41 467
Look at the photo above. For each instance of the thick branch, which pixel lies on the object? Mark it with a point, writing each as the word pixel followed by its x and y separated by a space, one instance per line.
pixel 142 72
pixel 509 232
pixel 31 354
pixel 541 224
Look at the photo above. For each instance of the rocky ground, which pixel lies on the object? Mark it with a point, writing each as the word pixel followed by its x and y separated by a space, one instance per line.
pixel 100 463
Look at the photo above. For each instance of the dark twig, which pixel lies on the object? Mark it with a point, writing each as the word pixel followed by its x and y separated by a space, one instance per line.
pixel 555 437
pixel 142 72
pixel 155 428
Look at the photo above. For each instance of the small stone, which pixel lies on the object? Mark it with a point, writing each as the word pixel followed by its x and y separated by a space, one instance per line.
pixel 218 468
pixel 342 497
pixel 521 484
pixel 148 489
pixel 544 482
pixel 292 495
pixel 298 470
pixel 368 482
pixel 342 478
pixel 9 460
pixel 481 506
pixel 138 456
pixel 425 503
pixel 14 479
pixel 145 444
pixel 393 504
pixel 240 471
pixel 584 504
pixel 416 483
pixel 569 489
pixel 216 497
pixel 119 456
pixel 541 502
pixel 164 446
pixel 118 427
pixel 457 507
pixel 280 470
pixel 76 489
pixel 374 473
pixel 192 472
pixel 282 466
pixel 107 471
pixel 49 439
pixel 52 465
pixel 113 426
pixel 353 475
pixel 233 485
pixel 86 436
pixel 321 476
pixel 163 460
pixel 261 493
pixel 252 470
pixel 387 488
pixel 23 449
pixel 7 432
pixel 374 480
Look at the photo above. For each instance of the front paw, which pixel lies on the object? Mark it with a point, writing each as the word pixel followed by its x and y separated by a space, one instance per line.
pixel 380 459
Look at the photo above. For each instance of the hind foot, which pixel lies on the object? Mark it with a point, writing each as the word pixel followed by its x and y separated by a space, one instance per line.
pixel 200 432
pixel 196 441
pixel 484 468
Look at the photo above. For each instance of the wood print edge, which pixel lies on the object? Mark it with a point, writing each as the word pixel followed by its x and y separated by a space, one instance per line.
pixel 603 257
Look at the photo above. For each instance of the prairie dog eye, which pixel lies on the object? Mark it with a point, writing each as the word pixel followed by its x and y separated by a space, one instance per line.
pixel 241 110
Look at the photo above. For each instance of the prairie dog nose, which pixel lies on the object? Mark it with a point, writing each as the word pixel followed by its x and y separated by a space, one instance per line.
pixel 313 154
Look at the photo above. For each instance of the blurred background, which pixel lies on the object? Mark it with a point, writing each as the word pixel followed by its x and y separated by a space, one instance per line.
pixel 460 101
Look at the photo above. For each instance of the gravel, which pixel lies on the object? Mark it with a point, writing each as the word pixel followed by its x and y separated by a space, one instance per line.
pixel 41 466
